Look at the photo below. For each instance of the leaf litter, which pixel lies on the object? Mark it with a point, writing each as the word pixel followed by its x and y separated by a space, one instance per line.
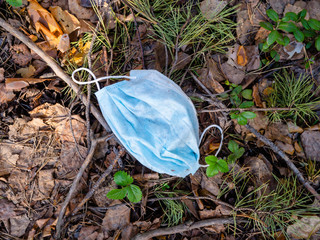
pixel 45 145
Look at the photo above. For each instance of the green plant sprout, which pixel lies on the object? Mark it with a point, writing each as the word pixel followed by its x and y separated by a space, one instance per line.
pixel 237 96
pixel 289 24
pixel 133 192
pixel 216 165
pixel 14 3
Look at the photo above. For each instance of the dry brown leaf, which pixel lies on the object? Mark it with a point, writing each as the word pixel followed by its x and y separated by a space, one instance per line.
pixel 21 55
pixel 278 131
pixel 311 144
pixel 211 184
pixel 293 128
pixel 116 218
pixel 45 22
pixel 8 160
pixel 5 95
pixel 256 96
pixel 64 131
pixel 46 182
pixel 6 208
pixel 1 74
pixel 242 59
pixel 286 147
pixel 18 83
pixel 88 233
pixel 67 21
pixel 233 74
pixel 304 228
pixel 79 11
pixel 183 60
pixel 27 71
pixel 261 35
pixel 211 8
pixel 18 225
pixel 39 66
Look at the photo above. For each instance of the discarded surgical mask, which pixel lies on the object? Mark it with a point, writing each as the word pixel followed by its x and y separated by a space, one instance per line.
pixel 153 119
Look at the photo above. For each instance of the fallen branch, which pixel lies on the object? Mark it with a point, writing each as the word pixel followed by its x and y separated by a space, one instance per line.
pixel 246 109
pixel 56 68
pixel 75 184
pixel 286 159
pixel 98 183
pixel 182 228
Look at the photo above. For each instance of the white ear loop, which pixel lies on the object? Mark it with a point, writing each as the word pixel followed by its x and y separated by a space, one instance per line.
pixel 221 141
pixel 96 80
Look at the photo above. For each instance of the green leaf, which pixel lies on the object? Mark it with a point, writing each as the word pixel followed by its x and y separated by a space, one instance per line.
pixel 233 146
pixel 266 25
pixel 302 14
pixel 275 55
pixel 122 178
pixel 233 115
pixel 314 24
pixel 286 40
pixel 298 35
pixel 239 152
pixel 117 193
pixel 14 3
pixel 246 104
pixel 265 47
pixel 211 160
pixel 273 15
pixel 308 45
pixel 134 193
pixel 290 16
pixel 280 40
pixel 272 37
pixel 222 166
pixel 248 115
pixel 232 158
pixel 247 94
pixel 212 171
pixel 242 120
pixel 287 26
pixel 305 24
pixel 237 90
pixel 317 43
pixel 309 33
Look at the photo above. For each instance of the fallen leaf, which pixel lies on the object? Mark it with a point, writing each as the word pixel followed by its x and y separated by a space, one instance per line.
pixel 211 8
pixel 18 225
pixel 278 131
pixel 304 228
pixel 293 128
pixel 40 66
pixel 233 74
pixel 23 129
pixel 1 74
pixel 79 11
pixel 67 21
pixel 64 43
pixel 27 71
pixel 311 144
pixel 297 147
pixel 286 147
pixel 5 95
pixel 8 160
pixel 253 57
pixel 261 35
pixel 242 59
pixel 6 209
pixel 313 8
pixel 45 22
pixel 116 218
pixel 211 184
pixel 45 184
pixel 182 61
pixel 78 131
pixel 21 55
pixel 256 96
pixel 88 233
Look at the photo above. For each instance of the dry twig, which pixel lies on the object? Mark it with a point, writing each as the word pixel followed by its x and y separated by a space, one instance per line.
pixel 246 109
pixel 286 159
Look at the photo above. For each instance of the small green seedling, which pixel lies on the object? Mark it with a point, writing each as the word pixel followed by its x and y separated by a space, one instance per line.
pixel 289 24
pixel 14 3
pixel 237 95
pixel 237 151
pixel 215 166
pixel 133 192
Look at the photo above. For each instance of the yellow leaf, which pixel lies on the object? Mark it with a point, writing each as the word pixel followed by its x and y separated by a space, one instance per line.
pixel 27 71
pixel 242 59
pixel 67 21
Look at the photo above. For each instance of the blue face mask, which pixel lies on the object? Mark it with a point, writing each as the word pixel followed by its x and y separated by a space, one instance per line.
pixel 153 119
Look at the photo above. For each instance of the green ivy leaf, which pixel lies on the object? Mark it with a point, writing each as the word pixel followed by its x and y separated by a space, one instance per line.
pixel 233 146
pixel 242 120
pixel 317 43
pixel 302 14
pixel 239 152
pixel 14 3
pixel 273 15
pixel 298 35
pixel 287 26
pixel 122 178
pixel 117 193
pixel 134 193
pixel 273 37
pixel 246 104
pixel 266 25
pixel 247 94
pixel 290 16
pixel 248 115
pixel 314 24
pixel 211 160
pixel 305 24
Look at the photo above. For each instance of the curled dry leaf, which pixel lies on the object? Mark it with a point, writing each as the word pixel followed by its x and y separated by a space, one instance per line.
pixel 67 21
pixel 27 71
